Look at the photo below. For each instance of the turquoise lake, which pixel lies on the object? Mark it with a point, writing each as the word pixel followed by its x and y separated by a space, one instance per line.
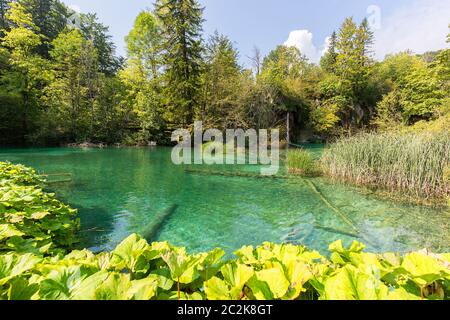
pixel 120 191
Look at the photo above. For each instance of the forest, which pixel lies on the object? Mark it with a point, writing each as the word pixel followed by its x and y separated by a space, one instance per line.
pixel 366 165
pixel 63 83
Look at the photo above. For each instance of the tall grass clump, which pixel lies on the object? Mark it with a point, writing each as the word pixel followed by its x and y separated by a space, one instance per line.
pixel 302 162
pixel 413 163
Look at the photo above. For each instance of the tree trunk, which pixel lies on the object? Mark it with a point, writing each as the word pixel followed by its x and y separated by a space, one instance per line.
pixel 288 129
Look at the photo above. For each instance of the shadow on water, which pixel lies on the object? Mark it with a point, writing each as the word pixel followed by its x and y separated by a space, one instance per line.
pixel 96 225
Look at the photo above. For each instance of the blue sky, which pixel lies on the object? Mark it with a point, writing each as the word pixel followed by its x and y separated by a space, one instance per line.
pixel 418 25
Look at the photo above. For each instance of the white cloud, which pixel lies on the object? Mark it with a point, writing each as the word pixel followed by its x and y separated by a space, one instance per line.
pixel 303 40
pixel 75 8
pixel 421 26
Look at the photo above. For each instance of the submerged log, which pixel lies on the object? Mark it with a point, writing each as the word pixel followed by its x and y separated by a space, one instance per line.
pixel 59 181
pixel 234 174
pixel 337 231
pixel 154 227
pixel 64 180
pixel 56 174
pixel 341 214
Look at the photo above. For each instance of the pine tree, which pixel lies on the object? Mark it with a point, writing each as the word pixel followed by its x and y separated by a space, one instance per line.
pixel 50 16
pixel 346 60
pixel 98 33
pixel 182 56
pixel 328 61
pixel 364 43
pixel 332 48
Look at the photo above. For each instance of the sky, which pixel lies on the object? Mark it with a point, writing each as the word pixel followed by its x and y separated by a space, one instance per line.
pixel 417 25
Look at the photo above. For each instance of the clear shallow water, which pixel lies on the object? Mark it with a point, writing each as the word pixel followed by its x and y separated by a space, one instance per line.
pixel 120 191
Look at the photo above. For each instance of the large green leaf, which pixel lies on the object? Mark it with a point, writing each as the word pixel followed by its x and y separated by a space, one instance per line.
pixel 269 284
pixel 8 231
pixel 164 279
pixel 297 273
pixel 210 263
pixel 144 289
pixel 133 254
pixel 64 283
pixel 183 268
pixel 231 288
pixel 217 289
pixel 236 275
pixel 21 289
pixel 423 269
pixel 12 265
pixel 350 283
pixel 246 256
pixel 86 288
pixel 115 287
pixel 341 255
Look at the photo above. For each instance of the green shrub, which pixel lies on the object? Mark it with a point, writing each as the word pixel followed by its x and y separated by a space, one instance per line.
pixel 136 270
pixel 19 174
pixel 32 220
pixel 302 162
pixel 413 163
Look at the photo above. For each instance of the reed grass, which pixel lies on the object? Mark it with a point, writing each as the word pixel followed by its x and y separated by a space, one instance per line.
pixel 414 163
pixel 302 162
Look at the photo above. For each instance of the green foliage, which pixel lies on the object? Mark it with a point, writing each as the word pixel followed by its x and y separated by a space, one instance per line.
pixel 50 17
pixel 136 270
pixel 282 71
pixel 302 162
pixel 223 84
pixel 71 93
pixel 54 80
pixel 32 221
pixel 353 67
pixel 325 112
pixel 412 162
pixel 141 79
pixel 182 49
pixel 98 33
pixel 22 37
pixel 416 89
pixel 144 44
pixel 26 72
pixel 282 63
pixel 62 84
pixel 329 59
pixel 390 111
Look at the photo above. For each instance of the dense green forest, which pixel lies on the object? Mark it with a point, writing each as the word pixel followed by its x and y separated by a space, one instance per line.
pixel 62 84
